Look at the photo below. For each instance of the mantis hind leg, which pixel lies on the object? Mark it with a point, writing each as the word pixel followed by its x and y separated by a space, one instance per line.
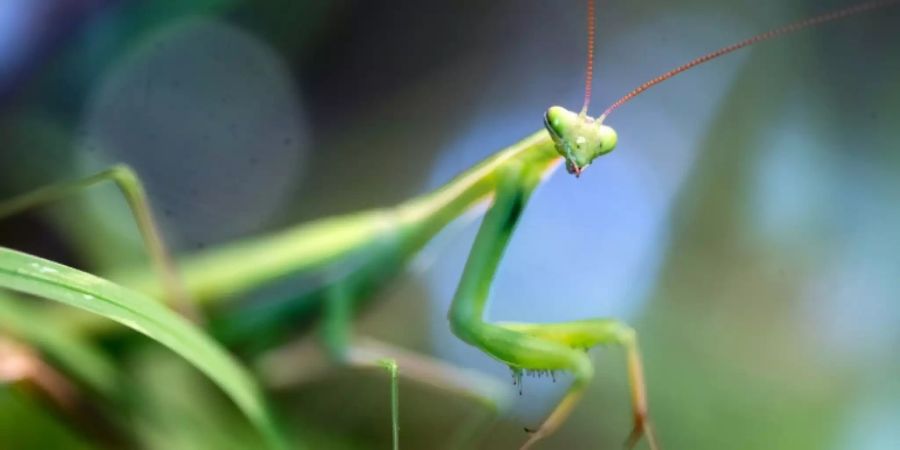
pixel 492 396
pixel 337 334
pixel 133 190
pixel 342 347
pixel 303 361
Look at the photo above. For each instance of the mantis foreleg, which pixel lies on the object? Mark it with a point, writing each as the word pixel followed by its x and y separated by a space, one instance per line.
pixel 535 346
pixel 586 334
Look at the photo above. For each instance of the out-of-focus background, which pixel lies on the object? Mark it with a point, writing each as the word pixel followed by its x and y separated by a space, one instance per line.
pixel 746 225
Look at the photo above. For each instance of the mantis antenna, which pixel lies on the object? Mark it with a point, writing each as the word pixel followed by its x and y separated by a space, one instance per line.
pixel 589 72
pixel 785 29
pixel 580 139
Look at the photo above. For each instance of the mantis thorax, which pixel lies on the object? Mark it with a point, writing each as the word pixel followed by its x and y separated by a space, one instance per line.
pixel 578 137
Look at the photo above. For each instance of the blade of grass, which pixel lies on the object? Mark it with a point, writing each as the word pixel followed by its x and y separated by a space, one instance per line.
pixel 42 278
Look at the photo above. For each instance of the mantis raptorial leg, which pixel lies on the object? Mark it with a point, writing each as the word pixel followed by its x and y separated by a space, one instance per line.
pixel 539 347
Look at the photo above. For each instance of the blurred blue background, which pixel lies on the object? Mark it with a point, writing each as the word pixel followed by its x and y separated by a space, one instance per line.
pixel 746 225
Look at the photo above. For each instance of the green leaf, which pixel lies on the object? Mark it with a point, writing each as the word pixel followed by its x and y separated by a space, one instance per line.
pixel 42 278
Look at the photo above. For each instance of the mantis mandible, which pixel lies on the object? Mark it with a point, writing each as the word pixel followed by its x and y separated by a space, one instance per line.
pixel 351 255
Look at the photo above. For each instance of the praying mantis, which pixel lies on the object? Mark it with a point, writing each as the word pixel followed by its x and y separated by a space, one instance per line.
pixel 351 255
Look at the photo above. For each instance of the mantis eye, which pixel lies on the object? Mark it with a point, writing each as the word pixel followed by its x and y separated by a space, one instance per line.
pixel 551 128
pixel 557 120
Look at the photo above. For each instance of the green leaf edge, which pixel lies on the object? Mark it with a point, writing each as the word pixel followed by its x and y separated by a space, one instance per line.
pixel 43 278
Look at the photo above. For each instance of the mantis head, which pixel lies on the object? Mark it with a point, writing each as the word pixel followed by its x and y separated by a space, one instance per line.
pixel 578 138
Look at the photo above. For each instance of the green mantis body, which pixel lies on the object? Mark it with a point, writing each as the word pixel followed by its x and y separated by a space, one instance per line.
pixel 351 255
pixel 347 257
